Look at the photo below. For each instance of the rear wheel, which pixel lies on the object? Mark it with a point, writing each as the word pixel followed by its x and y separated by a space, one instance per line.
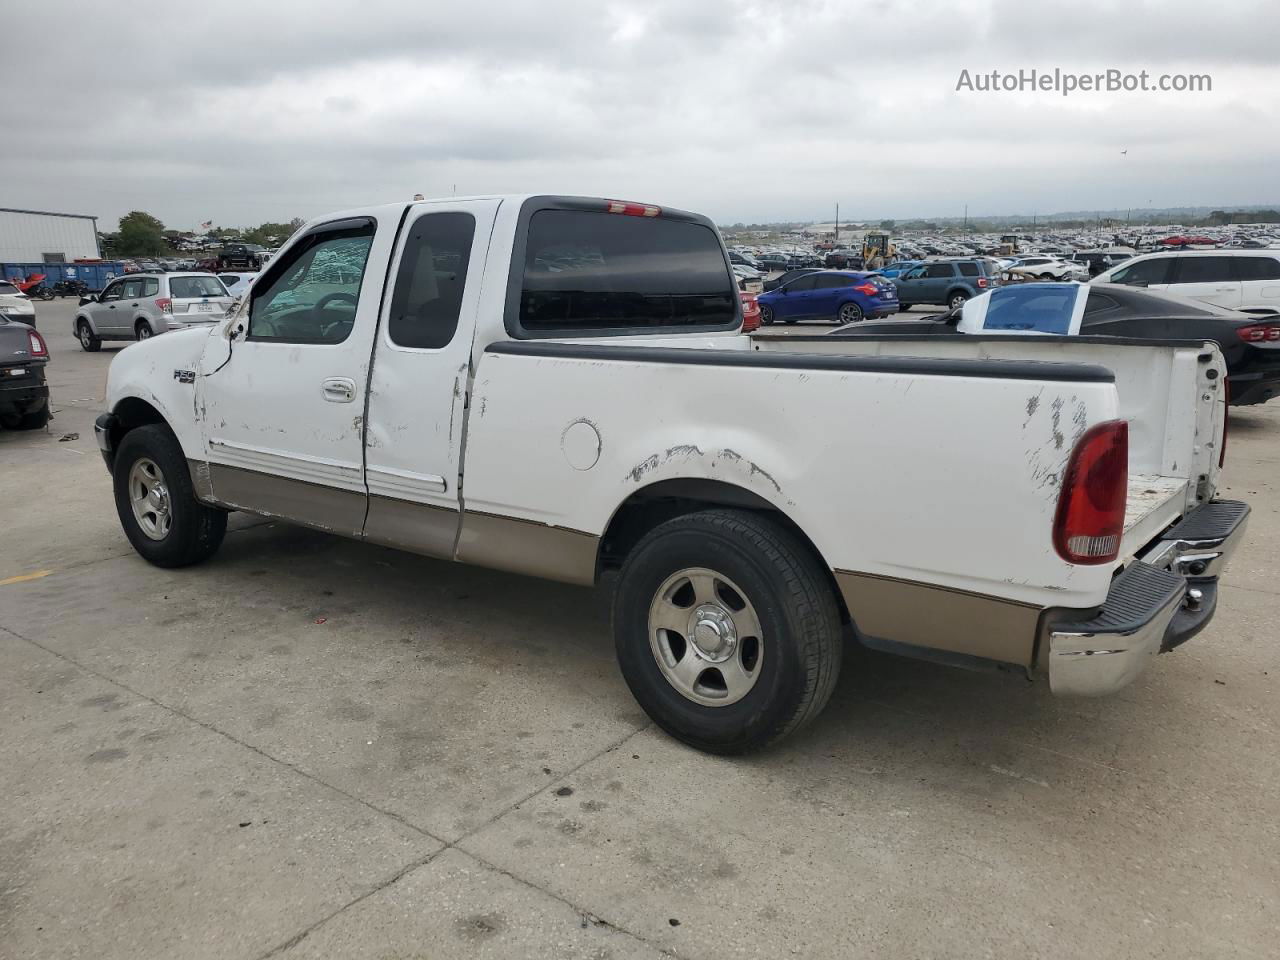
pixel 727 630
pixel 957 299
pixel 156 504
pixel 766 313
pixel 144 331
pixel 849 313
pixel 88 341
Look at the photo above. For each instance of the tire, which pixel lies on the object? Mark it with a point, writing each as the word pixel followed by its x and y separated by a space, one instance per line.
pixel 904 307
pixel 789 320
pixel 1047 276
pixel 780 682
pixel 766 314
pixel 142 331
pixel 89 342
pixel 849 313
pixel 957 298
pixel 193 532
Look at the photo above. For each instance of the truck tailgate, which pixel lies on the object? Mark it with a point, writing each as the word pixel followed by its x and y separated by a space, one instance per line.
pixel 1154 502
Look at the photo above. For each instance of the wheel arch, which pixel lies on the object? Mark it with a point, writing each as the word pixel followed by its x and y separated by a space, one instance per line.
pixel 129 414
pixel 655 504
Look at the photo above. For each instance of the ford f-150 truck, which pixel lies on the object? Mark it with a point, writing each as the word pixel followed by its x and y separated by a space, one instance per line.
pixel 553 386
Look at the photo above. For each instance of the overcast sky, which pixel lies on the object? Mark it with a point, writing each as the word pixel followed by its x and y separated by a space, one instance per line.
pixel 241 113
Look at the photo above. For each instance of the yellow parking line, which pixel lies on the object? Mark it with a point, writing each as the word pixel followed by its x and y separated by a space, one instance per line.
pixel 22 578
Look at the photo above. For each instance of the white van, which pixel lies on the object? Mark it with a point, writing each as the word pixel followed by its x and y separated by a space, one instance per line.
pixel 1245 280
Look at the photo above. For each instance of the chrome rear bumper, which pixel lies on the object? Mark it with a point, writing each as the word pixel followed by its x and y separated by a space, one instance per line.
pixel 1161 600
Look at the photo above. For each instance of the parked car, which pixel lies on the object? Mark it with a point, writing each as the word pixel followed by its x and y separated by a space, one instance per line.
pixel 750 312
pixel 949 282
pixel 1046 268
pixel 788 277
pixel 24 393
pixel 16 305
pixel 237 284
pixel 772 261
pixel 1247 280
pixel 1100 261
pixel 743 259
pixel 141 305
pixel 841 259
pixel 895 269
pixel 746 274
pixel 1249 344
pixel 829 295
pixel 599 409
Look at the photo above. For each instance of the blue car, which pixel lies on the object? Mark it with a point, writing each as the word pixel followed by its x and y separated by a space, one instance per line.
pixel 836 296
pixel 895 269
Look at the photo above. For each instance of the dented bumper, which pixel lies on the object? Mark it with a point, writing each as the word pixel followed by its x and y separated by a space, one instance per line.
pixel 1160 601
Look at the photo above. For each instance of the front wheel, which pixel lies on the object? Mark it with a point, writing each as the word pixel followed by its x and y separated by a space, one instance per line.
pixel 766 314
pixel 157 506
pixel 727 630
pixel 849 313
pixel 89 342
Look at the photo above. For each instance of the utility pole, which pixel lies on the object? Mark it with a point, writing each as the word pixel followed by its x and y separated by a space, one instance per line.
pixel 966 221
pixel 837 240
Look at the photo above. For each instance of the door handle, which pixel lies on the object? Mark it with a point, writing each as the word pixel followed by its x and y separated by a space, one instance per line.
pixel 339 389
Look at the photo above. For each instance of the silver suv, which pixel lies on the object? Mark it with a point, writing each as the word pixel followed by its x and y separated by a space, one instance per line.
pixel 142 305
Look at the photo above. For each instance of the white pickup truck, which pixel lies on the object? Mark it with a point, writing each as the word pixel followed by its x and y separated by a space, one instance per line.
pixel 559 386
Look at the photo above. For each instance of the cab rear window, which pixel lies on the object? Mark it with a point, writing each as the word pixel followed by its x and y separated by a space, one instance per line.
pixel 601 271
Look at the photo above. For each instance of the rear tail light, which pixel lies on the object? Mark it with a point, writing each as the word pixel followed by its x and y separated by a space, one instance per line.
pixel 38 348
pixel 165 305
pixel 982 283
pixel 632 209
pixel 750 313
pixel 1259 333
pixel 867 288
pixel 1090 517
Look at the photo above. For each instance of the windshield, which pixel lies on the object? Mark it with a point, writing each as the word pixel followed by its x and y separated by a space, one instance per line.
pixel 7 288
pixel 182 288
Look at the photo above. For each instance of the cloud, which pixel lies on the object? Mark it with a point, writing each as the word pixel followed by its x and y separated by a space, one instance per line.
pixel 740 109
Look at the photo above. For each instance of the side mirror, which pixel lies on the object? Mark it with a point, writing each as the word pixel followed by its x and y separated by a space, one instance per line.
pixel 88 298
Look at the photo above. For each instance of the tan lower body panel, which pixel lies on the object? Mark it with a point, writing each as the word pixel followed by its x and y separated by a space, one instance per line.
pixel 310 504
pixel 418 527
pixel 940 618
pixel 526 546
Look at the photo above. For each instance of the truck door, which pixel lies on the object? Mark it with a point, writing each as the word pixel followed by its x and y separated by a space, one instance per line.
pixel 283 415
pixel 418 390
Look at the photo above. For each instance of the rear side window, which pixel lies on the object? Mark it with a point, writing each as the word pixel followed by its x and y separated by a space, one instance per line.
pixel 1203 269
pixel 833 281
pixel 939 270
pixel 1257 268
pixel 433 272
pixel 968 270
pixel 1155 270
pixel 183 288
pixel 605 271
pixel 150 287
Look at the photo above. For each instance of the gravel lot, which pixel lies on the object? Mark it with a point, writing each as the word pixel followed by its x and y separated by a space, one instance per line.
pixel 310 747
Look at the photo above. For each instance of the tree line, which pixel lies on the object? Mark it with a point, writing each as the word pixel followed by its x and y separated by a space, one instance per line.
pixel 142 235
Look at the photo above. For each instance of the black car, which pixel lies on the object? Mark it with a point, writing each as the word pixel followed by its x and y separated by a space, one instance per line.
pixel 24 394
pixel 1250 344
pixel 788 277
pixel 772 261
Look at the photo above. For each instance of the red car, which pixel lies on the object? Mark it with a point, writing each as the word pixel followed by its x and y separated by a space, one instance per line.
pixel 750 312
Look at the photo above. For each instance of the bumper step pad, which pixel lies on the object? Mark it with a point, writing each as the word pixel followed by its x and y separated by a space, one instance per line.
pixel 1216 520
pixel 1135 597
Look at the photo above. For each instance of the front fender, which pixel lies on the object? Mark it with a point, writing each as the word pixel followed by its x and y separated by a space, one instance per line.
pixel 162 373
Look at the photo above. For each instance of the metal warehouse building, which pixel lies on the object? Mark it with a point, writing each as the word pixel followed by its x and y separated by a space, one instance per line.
pixel 34 236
